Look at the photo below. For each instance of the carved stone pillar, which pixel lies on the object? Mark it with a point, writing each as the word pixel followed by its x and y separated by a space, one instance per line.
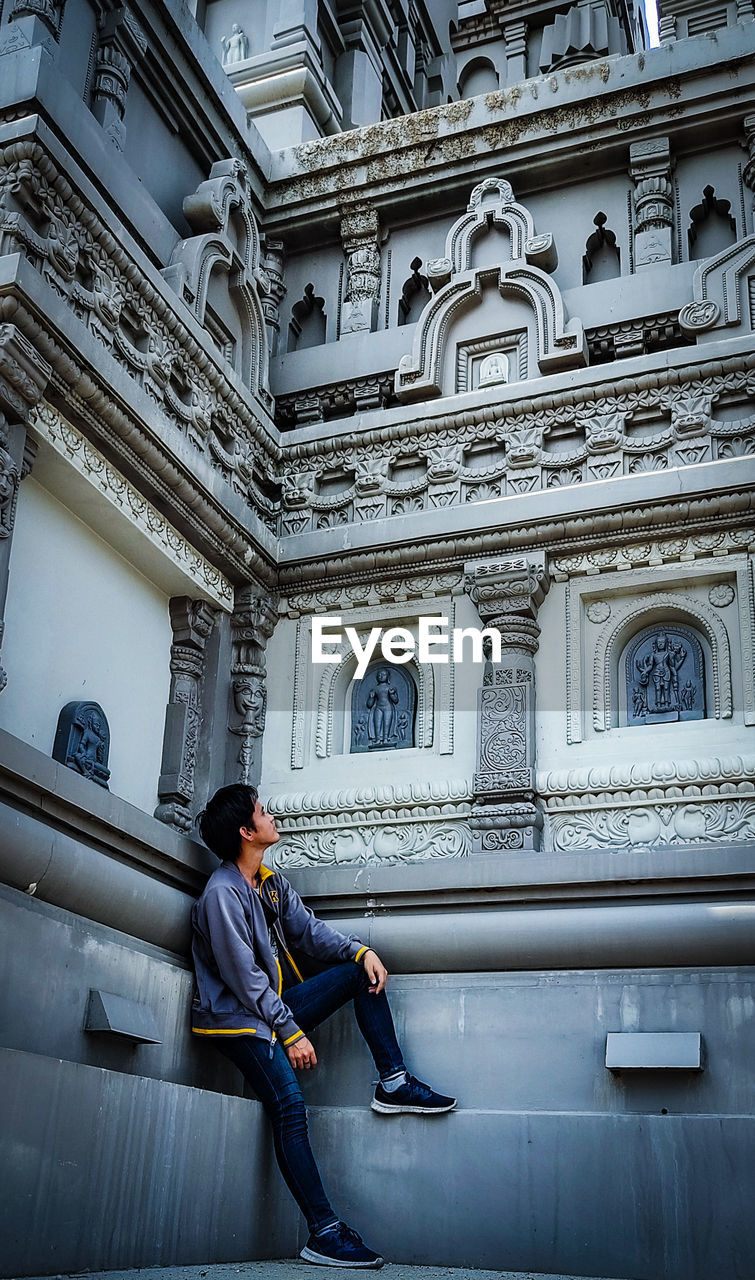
pixel 122 44
pixel 651 166
pixel 32 22
pixel 360 236
pixel 748 173
pixel 192 621
pixel 515 35
pixel 271 301
pixel 505 813
pixel 252 624
pixel 23 378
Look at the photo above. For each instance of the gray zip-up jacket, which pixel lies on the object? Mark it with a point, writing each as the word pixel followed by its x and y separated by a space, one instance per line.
pixel 238 977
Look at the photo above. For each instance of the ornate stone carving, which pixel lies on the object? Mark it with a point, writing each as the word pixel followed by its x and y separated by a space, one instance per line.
pixel 721 595
pixel 273 264
pixel 651 167
pixel 82 741
pixel 645 826
pixel 394 822
pixel 360 236
pixel 252 624
pixel 118 294
pixel 227 237
pixel 457 284
pixel 47 11
pixel 192 621
pixel 508 594
pixel 122 43
pixel 718 297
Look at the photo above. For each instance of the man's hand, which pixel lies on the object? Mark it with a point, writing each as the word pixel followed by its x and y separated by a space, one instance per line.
pixel 302 1053
pixel 376 972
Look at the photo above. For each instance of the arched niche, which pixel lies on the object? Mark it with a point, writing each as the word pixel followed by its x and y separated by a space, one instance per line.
pixel 651 614
pixel 383 707
pixel 712 228
pixel 308 325
pixel 602 258
pixel 478 76
pixel 334 705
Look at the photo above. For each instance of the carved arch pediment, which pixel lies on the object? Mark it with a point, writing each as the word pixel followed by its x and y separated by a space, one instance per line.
pixel 457 283
pixel 228 240
pixel 717 292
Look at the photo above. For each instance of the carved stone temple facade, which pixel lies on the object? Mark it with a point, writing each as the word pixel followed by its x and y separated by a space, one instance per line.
pixel 384 311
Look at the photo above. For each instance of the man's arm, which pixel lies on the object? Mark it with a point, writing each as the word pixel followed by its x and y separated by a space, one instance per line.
pixel 322 942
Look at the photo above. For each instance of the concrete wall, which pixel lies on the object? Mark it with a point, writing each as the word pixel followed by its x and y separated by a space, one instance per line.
pixel 84 624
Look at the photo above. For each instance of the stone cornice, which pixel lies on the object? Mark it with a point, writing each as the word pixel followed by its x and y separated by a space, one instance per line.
pixel 538 124
pixel 624 510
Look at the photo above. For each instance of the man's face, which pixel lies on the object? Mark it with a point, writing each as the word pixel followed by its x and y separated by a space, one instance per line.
pixel 266 831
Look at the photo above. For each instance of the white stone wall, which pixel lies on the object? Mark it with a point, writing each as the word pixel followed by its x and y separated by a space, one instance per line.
pixel 83 624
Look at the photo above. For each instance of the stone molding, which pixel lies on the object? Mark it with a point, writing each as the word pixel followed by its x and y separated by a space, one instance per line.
pixel 577 535
pixel 23 374
pixel 627 824
pixel 50 427
pixel 374 825
pixel 601 104
pixel 382 591
pixel 653 779
pixel 601 424
pixel 560 344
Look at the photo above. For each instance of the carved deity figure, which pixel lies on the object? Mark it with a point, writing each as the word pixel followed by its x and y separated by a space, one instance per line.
pixel 381 706
pixel 494 368
pixel 235 46
pixel 687 695
pixel 660 670
pixel 249 700
pixel 91 749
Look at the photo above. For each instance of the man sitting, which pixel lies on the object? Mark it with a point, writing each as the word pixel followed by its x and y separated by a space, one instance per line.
pixel 253 1002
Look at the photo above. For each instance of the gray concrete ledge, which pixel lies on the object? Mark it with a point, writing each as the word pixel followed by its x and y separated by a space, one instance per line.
pixel 288 1269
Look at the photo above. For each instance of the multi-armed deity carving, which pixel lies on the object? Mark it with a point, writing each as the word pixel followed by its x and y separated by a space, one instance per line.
pixel 252 624
pixel 508 594
pixel 664 676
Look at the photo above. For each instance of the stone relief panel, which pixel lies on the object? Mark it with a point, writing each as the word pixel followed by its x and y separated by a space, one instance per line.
pixel 383 707
pixel 663 676
pixel 82 741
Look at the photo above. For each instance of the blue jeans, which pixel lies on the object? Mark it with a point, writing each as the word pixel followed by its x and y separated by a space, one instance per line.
pixel 274 1080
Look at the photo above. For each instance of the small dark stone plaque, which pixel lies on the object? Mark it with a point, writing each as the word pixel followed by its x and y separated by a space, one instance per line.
pixel 383 707
pixel 82 741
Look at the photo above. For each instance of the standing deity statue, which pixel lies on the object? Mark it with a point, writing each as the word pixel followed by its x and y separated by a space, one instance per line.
pixel 381 706
pixel 660 670
pixel 235 46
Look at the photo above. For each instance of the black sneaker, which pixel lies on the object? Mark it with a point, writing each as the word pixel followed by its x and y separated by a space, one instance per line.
pixel 412 1096
pixel 340 1246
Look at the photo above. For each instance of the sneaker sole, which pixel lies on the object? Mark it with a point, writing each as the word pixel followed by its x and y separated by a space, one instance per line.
pixel 321 1260
pixel 395 1108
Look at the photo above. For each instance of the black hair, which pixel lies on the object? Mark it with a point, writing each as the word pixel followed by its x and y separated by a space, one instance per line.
pixel 230 809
